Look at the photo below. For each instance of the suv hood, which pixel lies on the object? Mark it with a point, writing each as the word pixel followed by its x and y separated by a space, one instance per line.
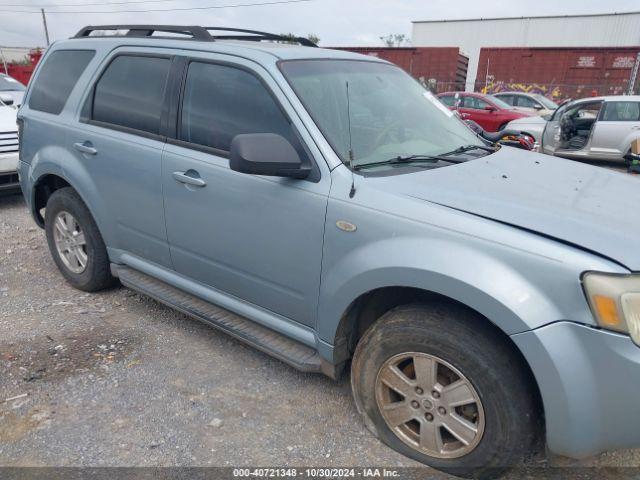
pixel 586 206
pixel 8 116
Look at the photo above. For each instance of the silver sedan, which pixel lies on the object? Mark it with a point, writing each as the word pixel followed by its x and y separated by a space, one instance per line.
pixel 598 128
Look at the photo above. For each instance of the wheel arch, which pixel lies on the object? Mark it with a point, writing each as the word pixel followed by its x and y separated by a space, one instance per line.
pixel 365 310
pixel 48 180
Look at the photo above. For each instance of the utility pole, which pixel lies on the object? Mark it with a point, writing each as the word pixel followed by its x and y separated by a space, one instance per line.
pixel 4 62
pixel 633 81
pixel 44 22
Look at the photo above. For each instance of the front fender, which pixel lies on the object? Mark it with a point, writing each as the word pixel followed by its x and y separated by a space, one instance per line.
pixel 491 287
pixel 516 279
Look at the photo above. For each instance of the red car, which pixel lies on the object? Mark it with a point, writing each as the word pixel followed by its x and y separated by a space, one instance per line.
pixel 489 112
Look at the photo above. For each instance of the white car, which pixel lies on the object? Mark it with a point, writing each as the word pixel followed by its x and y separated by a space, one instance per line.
pixel 598 128
pixel 532 126
pixel 528 102
pixel 11 90
pixel 8 150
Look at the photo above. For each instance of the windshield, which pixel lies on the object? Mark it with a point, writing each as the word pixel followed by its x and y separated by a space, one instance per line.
pixel 8 84
pixel 391 115
pixel 499 103
pixel 549 104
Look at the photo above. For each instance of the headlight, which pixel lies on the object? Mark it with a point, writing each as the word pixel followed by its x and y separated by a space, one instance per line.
pixel 615 301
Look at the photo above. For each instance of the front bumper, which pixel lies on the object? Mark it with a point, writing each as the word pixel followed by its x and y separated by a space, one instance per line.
pixel 589 380
pixel 9 173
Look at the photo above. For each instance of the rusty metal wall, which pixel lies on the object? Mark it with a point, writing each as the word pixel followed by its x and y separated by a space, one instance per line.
pixel 446 66
pixel 557 72
pixel 605 30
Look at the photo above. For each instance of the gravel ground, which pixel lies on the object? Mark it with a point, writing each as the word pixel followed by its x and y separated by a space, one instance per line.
pixel 117 379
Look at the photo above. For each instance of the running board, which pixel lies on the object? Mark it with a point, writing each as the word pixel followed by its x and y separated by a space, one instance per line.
pixel 294 353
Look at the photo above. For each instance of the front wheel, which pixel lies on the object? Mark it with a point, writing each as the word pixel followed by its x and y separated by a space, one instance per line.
pixel 438 385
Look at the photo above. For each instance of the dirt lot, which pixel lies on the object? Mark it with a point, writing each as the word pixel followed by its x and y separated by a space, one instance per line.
pixel 116 379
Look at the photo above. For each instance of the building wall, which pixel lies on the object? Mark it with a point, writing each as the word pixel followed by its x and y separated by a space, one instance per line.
pixel 608 30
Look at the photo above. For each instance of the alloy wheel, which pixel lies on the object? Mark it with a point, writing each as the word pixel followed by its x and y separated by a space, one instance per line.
pixel 430 405
pixel 70 242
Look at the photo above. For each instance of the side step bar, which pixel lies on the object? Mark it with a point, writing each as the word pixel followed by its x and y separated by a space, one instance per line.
pixel 294 353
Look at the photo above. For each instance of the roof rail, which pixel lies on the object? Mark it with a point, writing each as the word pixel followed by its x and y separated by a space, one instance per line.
pixel 197 33
pixel 256 35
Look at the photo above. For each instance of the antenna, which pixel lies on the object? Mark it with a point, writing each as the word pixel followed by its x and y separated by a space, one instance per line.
pixel 351 155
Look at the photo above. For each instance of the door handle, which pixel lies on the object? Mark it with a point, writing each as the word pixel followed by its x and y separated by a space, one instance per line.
pixel 86 148
pixel 182 177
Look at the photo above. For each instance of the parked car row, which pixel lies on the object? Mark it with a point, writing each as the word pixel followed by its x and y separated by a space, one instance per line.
pixel 11 93
pixel 595 128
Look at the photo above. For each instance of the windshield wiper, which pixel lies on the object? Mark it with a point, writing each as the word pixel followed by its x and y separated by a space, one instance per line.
pixel 468 148
pixel 408 159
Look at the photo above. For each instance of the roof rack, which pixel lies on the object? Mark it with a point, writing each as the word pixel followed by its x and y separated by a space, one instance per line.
pixel 201 34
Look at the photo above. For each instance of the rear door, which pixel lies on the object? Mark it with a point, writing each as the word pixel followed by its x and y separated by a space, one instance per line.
pixel 617 123
pixel 253 237
pixel 119 142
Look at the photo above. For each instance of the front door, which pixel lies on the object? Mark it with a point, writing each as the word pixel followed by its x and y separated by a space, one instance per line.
pixel 475 109
pixel 256 238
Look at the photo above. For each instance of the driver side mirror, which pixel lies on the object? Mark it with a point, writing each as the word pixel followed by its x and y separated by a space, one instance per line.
pixel 266 154
pixel 537 106
pixel 490 108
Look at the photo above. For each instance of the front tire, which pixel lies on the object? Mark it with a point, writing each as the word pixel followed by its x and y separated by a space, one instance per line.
pixel 438 385
pixel 75 243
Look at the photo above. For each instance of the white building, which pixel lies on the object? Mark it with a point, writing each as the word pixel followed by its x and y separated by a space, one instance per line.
pixel 470 35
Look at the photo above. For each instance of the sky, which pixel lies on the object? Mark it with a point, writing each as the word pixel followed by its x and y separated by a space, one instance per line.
pixel 336 22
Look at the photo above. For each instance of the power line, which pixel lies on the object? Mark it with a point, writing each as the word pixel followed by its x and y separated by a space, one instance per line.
pixel 237 5
pixel 102 4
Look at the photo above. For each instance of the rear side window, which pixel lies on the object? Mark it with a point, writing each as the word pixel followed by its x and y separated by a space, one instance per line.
pixel 527 102
pixel 130 93
pixel 510 99
pixel 621 112
pixel 221 102
pixel 475 103
pixel 57 78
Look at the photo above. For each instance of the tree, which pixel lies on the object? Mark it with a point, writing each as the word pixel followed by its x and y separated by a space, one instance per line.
pixel 395 40
pixel 291 38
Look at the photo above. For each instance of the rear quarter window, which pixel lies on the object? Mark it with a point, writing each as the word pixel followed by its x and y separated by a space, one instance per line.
pixel 56 79
pixel 621 112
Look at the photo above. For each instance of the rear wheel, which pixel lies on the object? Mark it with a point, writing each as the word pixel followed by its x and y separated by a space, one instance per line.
pixel 438 386
pixel 75 242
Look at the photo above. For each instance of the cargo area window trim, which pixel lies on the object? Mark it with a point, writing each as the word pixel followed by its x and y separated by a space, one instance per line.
pixel 38 72
pixel 86 115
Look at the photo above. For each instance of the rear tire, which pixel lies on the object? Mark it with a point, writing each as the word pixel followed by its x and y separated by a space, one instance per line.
pixel 500 403
pixel 75 242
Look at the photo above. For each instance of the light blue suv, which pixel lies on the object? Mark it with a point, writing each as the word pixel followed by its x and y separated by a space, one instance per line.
pixel 326 209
